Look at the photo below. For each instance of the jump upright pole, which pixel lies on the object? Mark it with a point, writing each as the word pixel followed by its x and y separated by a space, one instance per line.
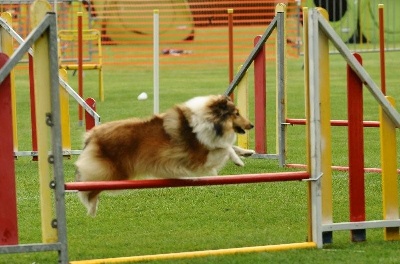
pixel 156 61
pixel 319 127
pixel 7 47
pixel 356 151
pixel 230 43
pixel 243 105
pixel 260 100
pixel 325 115
pixel 65 118
pixel 89 120
pixel 80 66
pixel 390 189
pixel 382 47
pixel 8 194
pixel 33 106
pixel 43 107
pixel 307 114
pixel 281 73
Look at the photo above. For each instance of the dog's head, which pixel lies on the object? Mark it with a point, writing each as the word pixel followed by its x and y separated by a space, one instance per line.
pixel 226 116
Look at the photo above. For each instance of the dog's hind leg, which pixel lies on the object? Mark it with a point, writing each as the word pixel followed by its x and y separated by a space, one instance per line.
pixel 91 201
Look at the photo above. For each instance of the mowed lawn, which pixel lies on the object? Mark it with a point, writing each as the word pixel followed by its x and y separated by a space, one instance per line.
pixel 139 222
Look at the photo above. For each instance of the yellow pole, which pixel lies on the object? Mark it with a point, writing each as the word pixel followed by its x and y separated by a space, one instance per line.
pixel 7 48
pixel 326 148
pixel 390 192
pixel 196 254
pixel 65 120
pixel 243 106
pixel 38 10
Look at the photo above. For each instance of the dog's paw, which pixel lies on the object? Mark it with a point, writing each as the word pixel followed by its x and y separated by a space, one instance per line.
pixel 247 153
pixel 239 162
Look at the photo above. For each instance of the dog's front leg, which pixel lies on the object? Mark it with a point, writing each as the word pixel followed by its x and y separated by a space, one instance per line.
pixel 235 158
pixel 243 152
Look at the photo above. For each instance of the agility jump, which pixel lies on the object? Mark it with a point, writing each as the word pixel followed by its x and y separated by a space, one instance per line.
pixel 92 118
pixel 317 176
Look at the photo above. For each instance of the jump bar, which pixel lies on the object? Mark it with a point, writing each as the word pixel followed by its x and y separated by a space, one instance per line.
pixel 183 182
pixel 293 121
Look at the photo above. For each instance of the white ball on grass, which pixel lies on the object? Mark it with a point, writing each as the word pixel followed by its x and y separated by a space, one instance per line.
pixel 142 96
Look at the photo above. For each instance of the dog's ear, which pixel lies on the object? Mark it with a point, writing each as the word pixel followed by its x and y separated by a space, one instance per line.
pixel 222 106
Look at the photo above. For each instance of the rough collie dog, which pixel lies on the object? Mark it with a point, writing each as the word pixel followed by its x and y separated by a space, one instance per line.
pixel 191 139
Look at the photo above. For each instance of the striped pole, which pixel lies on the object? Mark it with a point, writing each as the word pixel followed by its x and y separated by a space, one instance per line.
pixel 300 121
pixel 356 150
pixel 8 194
pixel 243 106
pixel 39 8
pixel 390 189
pixel 260 100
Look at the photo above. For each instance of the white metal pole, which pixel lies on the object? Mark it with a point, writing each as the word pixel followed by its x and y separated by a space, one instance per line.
pixel 315 129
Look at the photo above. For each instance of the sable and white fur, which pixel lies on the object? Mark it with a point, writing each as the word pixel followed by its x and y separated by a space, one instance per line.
pixel 191 139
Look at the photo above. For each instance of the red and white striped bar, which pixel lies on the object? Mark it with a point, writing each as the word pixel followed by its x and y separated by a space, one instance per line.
pixel 184 182
pixel 293 121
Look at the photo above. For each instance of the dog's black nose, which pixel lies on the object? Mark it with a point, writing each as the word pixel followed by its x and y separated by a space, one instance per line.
pixel 250 126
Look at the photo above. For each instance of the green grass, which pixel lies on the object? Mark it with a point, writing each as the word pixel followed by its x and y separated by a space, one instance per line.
pixel 200 218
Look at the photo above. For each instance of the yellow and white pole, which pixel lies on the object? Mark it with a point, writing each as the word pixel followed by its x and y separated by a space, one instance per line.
pixel 38 10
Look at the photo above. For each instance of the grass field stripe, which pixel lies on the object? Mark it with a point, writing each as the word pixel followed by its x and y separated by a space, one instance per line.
pixel 390 190
pixel 197 254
